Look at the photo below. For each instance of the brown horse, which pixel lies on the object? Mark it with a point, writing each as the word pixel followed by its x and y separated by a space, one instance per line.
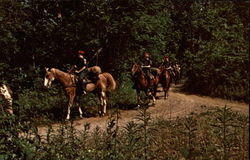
pixel 165 80
pixel 105 82
pixel 7 94
pixel 142 83
pixel 177 73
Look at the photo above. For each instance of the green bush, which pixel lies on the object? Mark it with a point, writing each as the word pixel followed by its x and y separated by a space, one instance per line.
pixel 218 133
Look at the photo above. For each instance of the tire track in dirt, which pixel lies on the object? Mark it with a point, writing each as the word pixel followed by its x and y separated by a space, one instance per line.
pixel 178 104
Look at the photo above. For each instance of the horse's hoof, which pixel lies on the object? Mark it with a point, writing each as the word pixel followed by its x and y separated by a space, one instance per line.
pixel 138 106
pixel 101 114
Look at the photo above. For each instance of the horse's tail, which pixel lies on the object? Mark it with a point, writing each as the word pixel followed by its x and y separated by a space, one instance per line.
pixel 110 79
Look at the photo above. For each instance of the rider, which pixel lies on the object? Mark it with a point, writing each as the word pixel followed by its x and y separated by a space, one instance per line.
pixel 146 64
pixel 81 71
pixel 167 64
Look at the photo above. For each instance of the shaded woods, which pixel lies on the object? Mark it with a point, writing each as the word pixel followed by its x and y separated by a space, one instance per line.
pixel 209 39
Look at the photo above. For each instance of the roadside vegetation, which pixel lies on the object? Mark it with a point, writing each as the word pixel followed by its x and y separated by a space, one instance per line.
pixel 218 133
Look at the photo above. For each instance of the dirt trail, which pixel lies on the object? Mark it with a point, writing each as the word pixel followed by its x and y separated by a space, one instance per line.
pixel 178 104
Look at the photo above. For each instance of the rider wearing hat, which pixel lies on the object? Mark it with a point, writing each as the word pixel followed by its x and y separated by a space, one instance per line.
pixel 81 71
pixel 167 64
pixel 146 64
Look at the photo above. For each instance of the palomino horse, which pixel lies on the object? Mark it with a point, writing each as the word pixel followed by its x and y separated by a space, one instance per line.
pixel 142 83
pixel 7 94
pixel 105 81
pixel 165 80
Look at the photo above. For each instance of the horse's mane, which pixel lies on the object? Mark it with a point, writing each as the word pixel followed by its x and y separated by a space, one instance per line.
pixel 139 69
pixel 56 71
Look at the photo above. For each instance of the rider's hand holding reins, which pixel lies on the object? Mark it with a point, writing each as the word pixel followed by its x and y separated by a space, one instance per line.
pixel 80 70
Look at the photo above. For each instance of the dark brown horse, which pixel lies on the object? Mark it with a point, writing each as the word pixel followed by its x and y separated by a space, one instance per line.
pixel 105 82
pixel 142 83
pixel 7 95
pixel 165 80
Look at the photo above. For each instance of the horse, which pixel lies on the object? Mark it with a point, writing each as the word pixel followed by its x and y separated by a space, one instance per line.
pixel 142 83
pixel 177 73
pixel 69 82
pixel 7 94
pixel 165 80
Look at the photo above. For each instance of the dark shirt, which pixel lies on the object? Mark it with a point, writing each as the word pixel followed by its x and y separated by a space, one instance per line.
pixel 81 63
pixel 145 62
pixel 166 64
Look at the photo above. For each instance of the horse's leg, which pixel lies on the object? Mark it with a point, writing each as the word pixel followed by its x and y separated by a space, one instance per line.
pixel 9 106
pixel 100 105
pixel 154 94
pixel 175 80
pixel 164 86
pixel 70 103
pixel 138 98
pixel 68 111
pixel 80 110
pixel 103 104
pixel 148 96
pixel 167 89
pixel 78 105
pixel 153 97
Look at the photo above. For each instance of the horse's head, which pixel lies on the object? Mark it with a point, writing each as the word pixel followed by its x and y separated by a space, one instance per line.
pixel 6 92
pixel 177 68
pixel 177 72
pixel 162 69
pixel 135 69
pixel 49 77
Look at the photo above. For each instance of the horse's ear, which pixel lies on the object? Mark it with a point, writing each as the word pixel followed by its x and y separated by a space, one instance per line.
pixel 99 50
pixel 46 69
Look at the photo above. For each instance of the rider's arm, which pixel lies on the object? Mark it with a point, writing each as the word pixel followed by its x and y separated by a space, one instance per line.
pixel 80 70
pixel 83 67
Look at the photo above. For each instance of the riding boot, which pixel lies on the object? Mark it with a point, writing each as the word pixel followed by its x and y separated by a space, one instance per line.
pixel 84 89
pixel 95 78
pixel 81 88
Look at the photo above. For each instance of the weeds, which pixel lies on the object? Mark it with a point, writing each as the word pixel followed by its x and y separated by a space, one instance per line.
pixel 216 134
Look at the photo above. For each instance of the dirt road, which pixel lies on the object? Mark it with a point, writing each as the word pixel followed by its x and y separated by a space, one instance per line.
pixel 178 104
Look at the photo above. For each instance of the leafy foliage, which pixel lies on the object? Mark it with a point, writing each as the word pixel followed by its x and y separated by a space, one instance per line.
pixel 208 38
pixel 215 134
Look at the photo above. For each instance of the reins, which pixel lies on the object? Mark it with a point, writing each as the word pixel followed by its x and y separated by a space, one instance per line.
pixel 71 79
